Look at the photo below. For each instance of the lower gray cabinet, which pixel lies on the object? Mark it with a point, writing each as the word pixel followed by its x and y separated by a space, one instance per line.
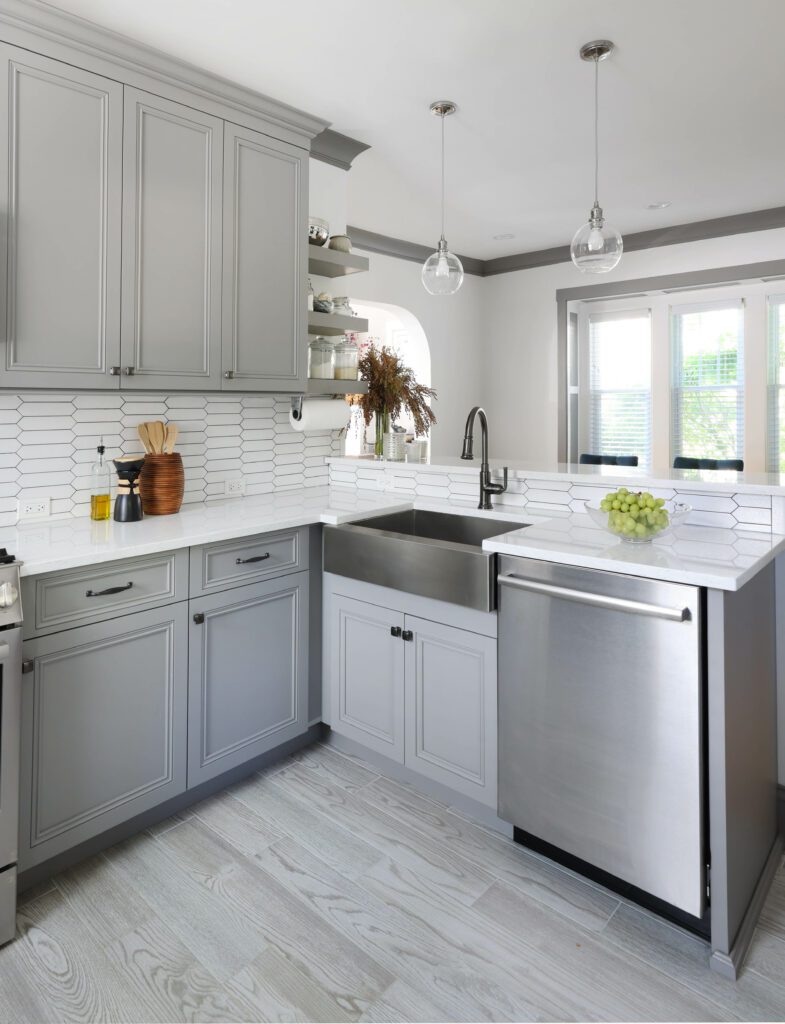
pixel 248 673
pixel 451 733
pixel 365 667
pixel 103 727
pixel 419 691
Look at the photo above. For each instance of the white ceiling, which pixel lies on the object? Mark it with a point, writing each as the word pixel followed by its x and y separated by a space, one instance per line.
pixel 691 103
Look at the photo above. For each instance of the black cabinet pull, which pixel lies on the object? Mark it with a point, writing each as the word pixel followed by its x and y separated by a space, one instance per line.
pixel 256 558
pixel 199 618
pixel 407 634
pixel 395 631
pixel 109 590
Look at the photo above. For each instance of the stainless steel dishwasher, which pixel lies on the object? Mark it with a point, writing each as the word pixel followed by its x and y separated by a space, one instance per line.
pixel 600 723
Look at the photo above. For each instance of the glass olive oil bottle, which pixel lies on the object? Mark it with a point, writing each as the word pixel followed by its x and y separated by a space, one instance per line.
pixel 100 487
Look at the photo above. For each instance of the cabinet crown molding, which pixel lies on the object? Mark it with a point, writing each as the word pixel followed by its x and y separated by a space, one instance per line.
pixel 38 26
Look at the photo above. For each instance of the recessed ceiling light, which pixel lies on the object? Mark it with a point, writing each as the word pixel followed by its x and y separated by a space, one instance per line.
pixel 501 238
pixel 657 206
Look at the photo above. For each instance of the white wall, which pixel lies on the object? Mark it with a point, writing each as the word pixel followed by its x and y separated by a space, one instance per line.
pixel 452 324
pixel 519 319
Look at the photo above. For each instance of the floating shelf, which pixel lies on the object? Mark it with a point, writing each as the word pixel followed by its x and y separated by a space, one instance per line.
pixel 330 263
pixel 336 387
pixel 332 324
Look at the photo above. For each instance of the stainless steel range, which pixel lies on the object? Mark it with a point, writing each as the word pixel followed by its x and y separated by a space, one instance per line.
pixel 10 701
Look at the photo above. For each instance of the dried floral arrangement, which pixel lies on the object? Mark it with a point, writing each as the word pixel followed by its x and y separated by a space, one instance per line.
pixel 392 387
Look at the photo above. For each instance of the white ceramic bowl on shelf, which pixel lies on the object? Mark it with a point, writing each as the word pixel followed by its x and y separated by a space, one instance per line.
pixel 640 532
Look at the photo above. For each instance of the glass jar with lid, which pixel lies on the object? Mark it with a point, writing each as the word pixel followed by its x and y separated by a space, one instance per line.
pixel 341 305
pixel 347 355
pixel 321 359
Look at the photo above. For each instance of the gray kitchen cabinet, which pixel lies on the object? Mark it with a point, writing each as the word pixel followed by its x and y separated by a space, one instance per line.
pixel 60 212
pixel 365 667
pixel 414 679
pixel 172 223
pixel 248 673
pixel 450 699
pixel 264 333
pixel 103 727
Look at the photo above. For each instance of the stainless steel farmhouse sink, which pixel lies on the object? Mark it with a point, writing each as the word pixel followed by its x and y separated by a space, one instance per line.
pixel 433 554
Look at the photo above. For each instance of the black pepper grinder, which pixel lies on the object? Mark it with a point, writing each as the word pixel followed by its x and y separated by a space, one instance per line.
pixel 128 503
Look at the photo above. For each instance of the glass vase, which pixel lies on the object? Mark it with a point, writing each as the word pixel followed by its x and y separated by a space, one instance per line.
pixel 382 426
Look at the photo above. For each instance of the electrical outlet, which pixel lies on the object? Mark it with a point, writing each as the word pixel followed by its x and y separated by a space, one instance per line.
pixel 35 508
pixel 234 488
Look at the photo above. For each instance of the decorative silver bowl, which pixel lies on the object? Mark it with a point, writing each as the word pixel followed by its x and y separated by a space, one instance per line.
pixel 318 231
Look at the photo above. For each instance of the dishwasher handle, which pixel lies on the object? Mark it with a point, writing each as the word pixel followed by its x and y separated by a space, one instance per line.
pixel 617 604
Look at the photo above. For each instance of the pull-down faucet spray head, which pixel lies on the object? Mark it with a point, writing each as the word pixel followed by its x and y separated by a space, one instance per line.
pixel 468 447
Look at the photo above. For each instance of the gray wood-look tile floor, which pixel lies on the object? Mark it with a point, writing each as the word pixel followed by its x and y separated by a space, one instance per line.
pixel 321 891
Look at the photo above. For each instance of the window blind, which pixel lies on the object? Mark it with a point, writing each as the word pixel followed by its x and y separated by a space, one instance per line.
pixel 620 384
pixel 707 396
pixel 776 387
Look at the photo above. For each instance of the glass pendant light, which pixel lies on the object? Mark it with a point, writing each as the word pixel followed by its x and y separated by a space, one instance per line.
pixel 442 272
pixel 596 247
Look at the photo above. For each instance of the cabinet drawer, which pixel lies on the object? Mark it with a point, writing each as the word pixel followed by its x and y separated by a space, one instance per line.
pixel 233 563
pixel 75 597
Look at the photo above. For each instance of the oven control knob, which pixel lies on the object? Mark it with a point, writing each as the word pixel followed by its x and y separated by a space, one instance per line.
pixel 8 595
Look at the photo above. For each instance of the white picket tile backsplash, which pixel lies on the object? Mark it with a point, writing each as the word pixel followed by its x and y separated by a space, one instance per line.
pixel 752 512
pixel 48 442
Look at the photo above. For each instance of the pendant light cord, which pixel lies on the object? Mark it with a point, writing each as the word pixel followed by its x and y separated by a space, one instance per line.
pixel 442 117
pixel 596 128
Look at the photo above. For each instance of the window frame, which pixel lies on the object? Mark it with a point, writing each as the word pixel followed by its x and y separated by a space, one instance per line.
pixel 595 311
pixel 755 294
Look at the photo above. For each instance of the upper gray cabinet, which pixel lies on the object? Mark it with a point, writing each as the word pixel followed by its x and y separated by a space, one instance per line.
pixel 265 238
pixel 60 202
pixel 172 210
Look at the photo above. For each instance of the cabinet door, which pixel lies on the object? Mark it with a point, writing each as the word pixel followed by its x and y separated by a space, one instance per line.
pixel 265 331
pixel 248 674
pixel 103 728
pixel 366 674
pixel 60 187
pixel 172 186
pixel 451 707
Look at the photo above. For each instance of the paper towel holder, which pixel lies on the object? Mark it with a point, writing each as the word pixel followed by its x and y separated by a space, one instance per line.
pixel 297 403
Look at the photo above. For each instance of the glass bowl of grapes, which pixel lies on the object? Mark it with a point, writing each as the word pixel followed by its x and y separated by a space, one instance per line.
pixel 637 517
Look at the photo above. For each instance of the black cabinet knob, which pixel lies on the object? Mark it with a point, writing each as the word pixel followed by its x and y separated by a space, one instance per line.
pixel 395 631
pixel 407 634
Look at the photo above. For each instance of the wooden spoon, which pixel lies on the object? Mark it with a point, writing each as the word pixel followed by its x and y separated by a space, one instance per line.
pixel 171 437
pixel 156 432
pixel 144 436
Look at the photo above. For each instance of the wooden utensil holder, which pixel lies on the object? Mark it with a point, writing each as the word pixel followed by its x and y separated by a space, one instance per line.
pixel 162 484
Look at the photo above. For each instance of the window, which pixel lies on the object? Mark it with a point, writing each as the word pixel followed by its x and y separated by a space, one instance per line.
pixel 620 384
pixel 776 395
pixel 707 352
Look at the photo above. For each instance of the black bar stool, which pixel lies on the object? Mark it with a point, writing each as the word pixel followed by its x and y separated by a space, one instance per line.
pixel 608 460
pixel 686 462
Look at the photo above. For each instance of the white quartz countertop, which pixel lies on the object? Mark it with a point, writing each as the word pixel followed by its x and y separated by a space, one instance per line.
pixel 704 556
pixel 699 555
pixel 68 542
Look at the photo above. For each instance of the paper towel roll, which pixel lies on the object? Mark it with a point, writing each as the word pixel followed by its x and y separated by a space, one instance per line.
pixel 321 414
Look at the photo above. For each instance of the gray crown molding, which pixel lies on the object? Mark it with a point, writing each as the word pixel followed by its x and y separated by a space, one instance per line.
pixel 27 23
pixel 717 227
pixel 339 150
pixel 370 241
pixel 740 223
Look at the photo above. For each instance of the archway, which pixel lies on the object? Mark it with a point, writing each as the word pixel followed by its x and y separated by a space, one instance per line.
pixel 401 331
